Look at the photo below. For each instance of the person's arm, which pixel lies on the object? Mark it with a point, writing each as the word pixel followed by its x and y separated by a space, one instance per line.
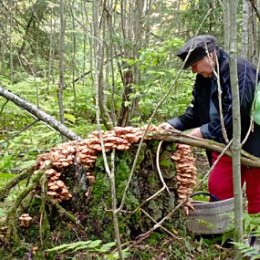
pixel 190 118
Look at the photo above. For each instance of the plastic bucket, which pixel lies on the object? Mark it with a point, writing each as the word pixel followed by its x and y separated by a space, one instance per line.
pixel 211 217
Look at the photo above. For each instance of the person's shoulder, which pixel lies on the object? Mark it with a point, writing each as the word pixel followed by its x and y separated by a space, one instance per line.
pixel 242 61
pixel 223 60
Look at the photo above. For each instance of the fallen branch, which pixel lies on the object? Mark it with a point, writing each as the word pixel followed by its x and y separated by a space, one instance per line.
pixel 179 137
pixel 41 115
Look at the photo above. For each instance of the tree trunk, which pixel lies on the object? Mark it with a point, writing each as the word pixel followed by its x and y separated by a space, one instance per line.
pixel 61 61
pixel 226 19
pixel 244 49
pixel 10 7
pixel 253 56
pixel 236 145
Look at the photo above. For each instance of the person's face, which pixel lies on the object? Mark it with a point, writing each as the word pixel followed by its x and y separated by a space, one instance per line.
pixel 204 67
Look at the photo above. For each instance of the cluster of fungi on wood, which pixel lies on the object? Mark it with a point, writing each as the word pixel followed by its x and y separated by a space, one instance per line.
pixel 186 174
pixel 85 153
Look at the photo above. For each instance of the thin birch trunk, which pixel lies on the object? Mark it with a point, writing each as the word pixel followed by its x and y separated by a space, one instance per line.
pixel 61 61
pixel 244 49
pixel 110 52
pixel 10 7
pixel 50 61
pixel 84 15
pixel 236 146
pixel 72 7
pixel 226 18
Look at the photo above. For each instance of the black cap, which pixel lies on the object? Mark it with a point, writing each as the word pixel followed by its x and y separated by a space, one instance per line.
pixel 197 48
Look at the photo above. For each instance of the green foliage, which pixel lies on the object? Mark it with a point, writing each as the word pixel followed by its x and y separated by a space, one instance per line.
pixel 247 251
pixel 251 223
pixel 6 162
pixel 158 66
pixel 103 251
pixel 252 228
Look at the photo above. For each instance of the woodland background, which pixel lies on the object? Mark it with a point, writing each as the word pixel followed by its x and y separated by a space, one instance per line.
pixel 107 63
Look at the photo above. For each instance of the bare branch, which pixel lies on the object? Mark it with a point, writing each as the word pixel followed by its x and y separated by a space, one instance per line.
pixel 41 115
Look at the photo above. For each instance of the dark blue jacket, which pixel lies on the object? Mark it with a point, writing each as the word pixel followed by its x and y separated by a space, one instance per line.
pixel 198 113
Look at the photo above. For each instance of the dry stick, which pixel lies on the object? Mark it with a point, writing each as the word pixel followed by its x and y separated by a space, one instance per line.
pixel 151 118
pixel 166 230
pixel 223 129
pixel 159 224
pixel 43 182
pixel 158 167
pixel 114 204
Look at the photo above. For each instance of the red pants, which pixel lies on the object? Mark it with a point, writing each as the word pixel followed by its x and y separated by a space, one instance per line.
pixel 220 182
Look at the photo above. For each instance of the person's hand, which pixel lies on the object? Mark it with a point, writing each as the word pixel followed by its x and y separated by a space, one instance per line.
pixel 196 133
pixel 166 126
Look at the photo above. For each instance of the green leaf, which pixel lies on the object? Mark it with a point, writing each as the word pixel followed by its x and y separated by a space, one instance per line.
pixel 106 247
pixel 71 118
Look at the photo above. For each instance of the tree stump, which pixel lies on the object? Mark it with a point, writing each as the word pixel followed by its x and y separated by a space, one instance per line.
pixel 67 199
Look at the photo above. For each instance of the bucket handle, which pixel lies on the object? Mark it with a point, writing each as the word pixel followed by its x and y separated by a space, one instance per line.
pixel 204 193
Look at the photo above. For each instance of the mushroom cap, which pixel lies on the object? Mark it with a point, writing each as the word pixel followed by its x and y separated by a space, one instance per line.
pixel 25 216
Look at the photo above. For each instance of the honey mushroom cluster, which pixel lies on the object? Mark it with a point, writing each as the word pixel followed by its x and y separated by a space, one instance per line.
pixel 56 187
pixel 186 174
pixel 84 153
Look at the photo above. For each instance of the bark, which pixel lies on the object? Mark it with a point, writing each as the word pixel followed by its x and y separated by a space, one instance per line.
pixel 253 43
pixel 226 19
pixel 236 146
pixel 10 7
pixel 72 7
pixel 244 50
pixel 246 159
pixel 51 52
pixel 61 61
pixel 254 6
pixel 98 46
pixel 41 115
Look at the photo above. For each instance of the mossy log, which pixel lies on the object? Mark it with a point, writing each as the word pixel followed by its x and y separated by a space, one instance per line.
pixel 86 214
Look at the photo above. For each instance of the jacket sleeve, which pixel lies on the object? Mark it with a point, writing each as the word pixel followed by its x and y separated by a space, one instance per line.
pixel 213 129
pixel 190 118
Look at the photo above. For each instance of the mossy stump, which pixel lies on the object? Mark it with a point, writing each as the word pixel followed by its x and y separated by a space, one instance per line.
pixel 90 217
